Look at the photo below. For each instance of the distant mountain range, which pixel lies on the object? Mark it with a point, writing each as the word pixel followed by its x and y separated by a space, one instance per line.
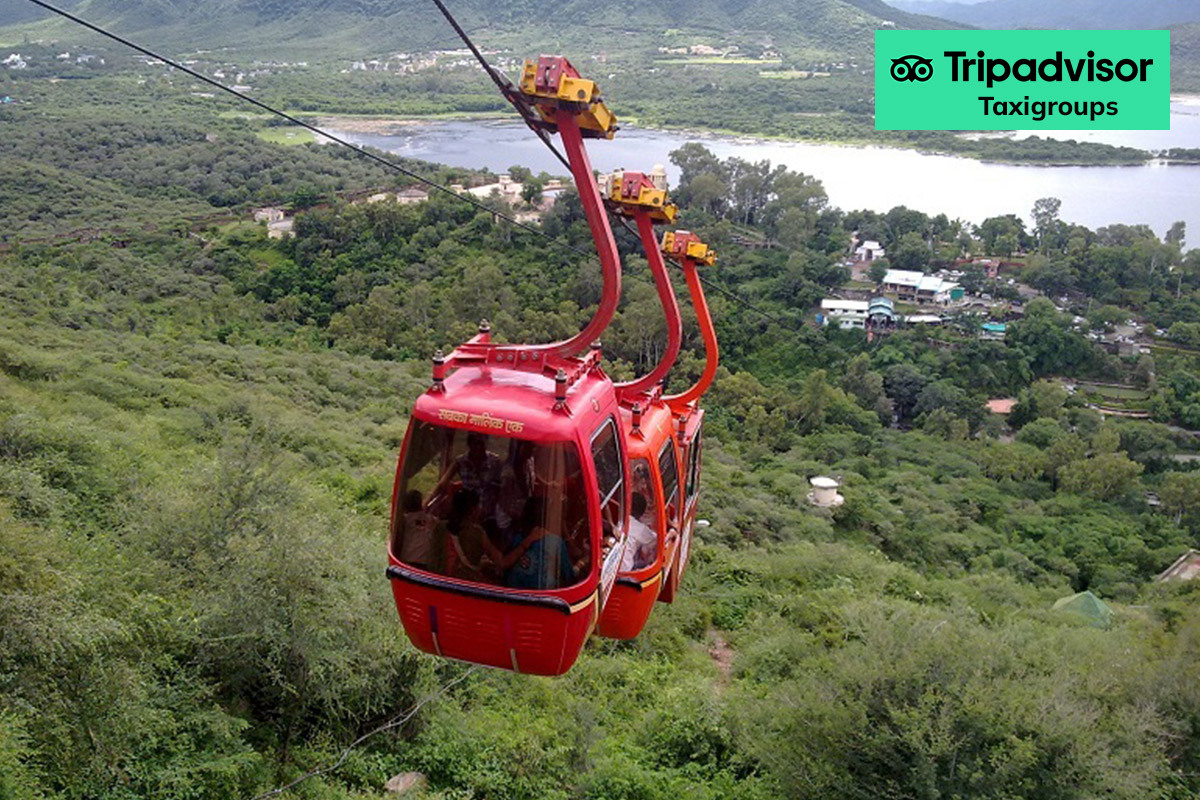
pixel 1064 14
pixel 834 26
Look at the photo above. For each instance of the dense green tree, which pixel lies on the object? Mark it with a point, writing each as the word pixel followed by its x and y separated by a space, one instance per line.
pixel 903 384
pixel 1104 477
pixel 1046 223
pixel 910 252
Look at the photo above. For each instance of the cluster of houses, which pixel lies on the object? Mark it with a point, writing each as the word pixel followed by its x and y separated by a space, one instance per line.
pixel 876 314
pixel 512 194
pixel 18 61
pixel 415 62
pixel 880 313
pixel 280 224
pixel 700 50
pixel 405 197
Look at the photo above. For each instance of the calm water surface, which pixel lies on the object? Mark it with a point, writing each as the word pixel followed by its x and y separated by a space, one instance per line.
pixel 870 177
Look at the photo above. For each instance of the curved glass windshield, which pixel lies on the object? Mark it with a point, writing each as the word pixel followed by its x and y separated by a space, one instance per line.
pixel 693 473
pixel 492 509
pixel 641 549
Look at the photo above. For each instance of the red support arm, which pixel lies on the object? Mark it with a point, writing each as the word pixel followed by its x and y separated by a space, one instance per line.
pixel 606 246
pixel 709 334
pixel 666 295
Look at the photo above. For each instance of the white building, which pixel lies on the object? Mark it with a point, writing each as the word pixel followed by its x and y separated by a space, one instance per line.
pixel 869 251
pixel 508 190
pixel 846 314
pixel 280 229
pixel 910 285
pixel 268 214
pixel 412 194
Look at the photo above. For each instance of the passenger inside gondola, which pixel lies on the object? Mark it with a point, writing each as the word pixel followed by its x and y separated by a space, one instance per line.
pixel 642 546
pixel 545 562
pixel 493 510
pixel 419 532
pixel 478 469
pixel 462 538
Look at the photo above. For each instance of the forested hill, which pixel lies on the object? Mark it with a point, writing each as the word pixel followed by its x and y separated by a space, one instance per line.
pixel 840 25
pixel 1114 14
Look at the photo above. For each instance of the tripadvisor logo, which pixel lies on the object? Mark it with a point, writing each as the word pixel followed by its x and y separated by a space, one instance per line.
pixel 1024 80
pixel 912 68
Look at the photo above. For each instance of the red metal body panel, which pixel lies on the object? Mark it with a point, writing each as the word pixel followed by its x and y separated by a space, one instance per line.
pixel 540 632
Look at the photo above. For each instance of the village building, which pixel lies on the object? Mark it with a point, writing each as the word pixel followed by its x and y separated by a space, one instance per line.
pixel 878 313
pixel 280 229
pixel 923 319
pixel 1001 405
pixel 869 251
pixel 993 331
pixel 269 214
pixel 846 314
pixel 921 288
pixel 508 190
pixel 881 314
pixel 411 195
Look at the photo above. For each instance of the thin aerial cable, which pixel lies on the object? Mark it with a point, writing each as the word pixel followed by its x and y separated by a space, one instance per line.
pixel 739 299
pixel 363 151
pixel 504 85
pixel 295 120
pixel 712 285
pixel 394 722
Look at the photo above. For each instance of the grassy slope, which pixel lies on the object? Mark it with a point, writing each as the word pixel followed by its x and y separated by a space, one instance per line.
pixel 788 623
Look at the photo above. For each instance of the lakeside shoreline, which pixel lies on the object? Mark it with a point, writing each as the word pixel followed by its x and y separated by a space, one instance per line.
pixel 389 125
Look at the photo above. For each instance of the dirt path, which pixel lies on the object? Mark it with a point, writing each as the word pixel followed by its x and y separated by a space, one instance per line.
pixel 721 654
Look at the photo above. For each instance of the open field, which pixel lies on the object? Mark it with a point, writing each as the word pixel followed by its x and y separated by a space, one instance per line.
pixel 790 74
pixel 286 136
pixel 692 60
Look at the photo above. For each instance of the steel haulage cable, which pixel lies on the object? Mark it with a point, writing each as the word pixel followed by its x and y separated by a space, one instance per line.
pixel 367 153
pixel 394 722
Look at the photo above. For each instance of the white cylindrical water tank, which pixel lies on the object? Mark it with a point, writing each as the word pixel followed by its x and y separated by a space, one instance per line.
pixel 658 176
pixel 825 492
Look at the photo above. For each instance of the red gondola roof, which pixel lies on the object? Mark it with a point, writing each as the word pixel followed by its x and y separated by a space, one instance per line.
pixel 516 402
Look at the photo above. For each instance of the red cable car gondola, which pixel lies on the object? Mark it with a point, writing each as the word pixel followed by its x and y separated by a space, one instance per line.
pixel 652 568
pixel 689 252
pixel 511 502
pixel 653 542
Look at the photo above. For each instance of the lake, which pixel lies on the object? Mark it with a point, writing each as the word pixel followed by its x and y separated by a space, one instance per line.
pixel 867 177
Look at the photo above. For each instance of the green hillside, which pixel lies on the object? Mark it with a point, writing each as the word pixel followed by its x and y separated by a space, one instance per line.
pixel 199 427
pixel 1065 14
pixel 317 26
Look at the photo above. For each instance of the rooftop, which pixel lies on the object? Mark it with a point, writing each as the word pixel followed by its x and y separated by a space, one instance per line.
pixel 918 281
pixel 834 304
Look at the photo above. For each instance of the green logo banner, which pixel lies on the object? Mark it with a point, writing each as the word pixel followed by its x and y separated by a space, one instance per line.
pixel 1022 80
